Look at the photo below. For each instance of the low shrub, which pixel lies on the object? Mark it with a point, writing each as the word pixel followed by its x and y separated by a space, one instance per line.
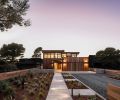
pixel 7 68
pixel 6 90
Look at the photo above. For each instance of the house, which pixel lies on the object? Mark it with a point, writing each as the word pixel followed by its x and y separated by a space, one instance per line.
pixel 64 61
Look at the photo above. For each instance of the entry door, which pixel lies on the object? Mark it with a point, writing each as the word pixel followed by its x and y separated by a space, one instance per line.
pixel 57 67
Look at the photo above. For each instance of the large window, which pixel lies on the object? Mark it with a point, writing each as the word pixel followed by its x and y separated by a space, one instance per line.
pixel 55 55
pixel 45 55
pixel 52 55
pixel 63 55
pixel 48 55
pixel 65 60
pixel 59 55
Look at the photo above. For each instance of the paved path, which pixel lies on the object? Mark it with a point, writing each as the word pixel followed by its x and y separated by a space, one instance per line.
pixel 58 89
pixel 98 82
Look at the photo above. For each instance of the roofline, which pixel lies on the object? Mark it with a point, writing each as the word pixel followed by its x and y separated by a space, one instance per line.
pixel 50 51
pixel 72 52
pixel 61 51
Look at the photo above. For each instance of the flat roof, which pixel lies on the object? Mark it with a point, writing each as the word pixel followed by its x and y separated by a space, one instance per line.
pixel 52 51
pixel 73 52
pixel 58 51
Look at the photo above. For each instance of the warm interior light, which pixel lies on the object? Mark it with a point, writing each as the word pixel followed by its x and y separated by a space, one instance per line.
pixel 85 60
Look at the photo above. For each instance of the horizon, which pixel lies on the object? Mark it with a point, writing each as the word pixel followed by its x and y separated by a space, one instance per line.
pixel 70 25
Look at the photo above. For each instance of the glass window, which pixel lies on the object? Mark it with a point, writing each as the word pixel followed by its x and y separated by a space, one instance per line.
pixel 59 55
pixel 63 55
pixel 45 56
pixel 52 55
pixel 74 55
pixel 65 60
pixel 85 60
pixel 48 55
pixel 55 55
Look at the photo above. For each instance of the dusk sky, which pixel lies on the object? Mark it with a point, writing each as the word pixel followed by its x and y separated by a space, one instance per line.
pixel 85 26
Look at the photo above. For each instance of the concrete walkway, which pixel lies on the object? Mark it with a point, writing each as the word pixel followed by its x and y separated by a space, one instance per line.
pixel 58 89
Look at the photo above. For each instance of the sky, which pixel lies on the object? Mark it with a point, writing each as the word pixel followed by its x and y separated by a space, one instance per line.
pixel 84 26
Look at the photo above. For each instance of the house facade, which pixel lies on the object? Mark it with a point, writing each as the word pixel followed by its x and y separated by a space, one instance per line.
pixel 64 61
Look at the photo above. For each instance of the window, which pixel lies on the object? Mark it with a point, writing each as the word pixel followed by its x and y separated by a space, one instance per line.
pixel 55 55
pixel 45 56
pixel 65 60
pixel 52 55
pixel 74 55
pixel 85 60
pixel 63 55
pixel 59 55
pixel 48 55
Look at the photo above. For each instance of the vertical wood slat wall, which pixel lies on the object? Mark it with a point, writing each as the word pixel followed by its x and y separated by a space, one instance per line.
pixel 76 64
pixel 72 64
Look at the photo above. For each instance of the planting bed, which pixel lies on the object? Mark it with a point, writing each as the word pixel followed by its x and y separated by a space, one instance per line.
pixel 73 84
pixel 95 97
pixel 32 86
pixel 117 77
pixel 68 77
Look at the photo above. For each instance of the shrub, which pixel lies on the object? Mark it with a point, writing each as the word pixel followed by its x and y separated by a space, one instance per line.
pixel 7 68
pixel 7 90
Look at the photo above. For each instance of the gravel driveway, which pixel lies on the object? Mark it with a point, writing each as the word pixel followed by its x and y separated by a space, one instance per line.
pixel 98 82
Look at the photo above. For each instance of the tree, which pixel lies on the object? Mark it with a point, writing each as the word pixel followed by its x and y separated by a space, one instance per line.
pixel 37 52
pixel 11 51
pixel 110 57
pixel 12 12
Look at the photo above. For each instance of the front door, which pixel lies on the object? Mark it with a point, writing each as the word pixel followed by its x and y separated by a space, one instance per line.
pixel 57 67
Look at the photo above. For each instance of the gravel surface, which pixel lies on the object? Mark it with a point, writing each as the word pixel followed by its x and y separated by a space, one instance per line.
pixel 98 82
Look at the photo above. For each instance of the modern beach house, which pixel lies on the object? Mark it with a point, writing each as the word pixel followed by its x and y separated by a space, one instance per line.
pixel 64 61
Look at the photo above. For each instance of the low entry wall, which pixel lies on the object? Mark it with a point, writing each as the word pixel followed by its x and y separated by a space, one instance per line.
pixel 113 92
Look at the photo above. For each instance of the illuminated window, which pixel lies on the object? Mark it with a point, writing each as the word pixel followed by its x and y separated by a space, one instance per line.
pixel 48 56
pixel 86 60
pixel 65 60
pixel 74 55
pixel 55 55
pixel 59 55
pixel 52 55
pixel 64 65
pixel 45 56
pixel 63 55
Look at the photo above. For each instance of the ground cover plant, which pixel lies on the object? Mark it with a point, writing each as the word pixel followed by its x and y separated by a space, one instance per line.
pixel 32 86
pixel 75 85
pixel 115 76
pixel 93 97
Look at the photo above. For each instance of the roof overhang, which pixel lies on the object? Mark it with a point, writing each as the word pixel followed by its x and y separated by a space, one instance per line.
pixel 53 51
